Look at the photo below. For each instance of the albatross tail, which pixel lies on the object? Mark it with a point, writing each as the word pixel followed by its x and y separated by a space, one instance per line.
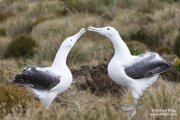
pixel 141 85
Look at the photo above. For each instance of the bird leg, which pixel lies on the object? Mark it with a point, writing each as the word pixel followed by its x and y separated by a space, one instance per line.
pixel 130 111
pixel 129 108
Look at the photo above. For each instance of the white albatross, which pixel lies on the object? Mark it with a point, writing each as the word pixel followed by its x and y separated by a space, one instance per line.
pixel 47 82
pixel 136 73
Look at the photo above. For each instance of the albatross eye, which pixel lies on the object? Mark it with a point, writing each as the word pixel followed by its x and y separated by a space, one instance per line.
pixel 107 28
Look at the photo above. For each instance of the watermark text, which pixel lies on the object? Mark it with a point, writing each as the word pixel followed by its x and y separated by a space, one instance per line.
pixel 163 112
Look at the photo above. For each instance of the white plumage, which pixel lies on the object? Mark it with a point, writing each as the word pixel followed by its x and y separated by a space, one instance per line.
pixel 47 82
pixel 134 72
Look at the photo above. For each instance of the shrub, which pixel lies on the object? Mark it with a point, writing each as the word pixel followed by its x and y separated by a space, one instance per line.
pixel 163 50
pixel 2 32
pixel 143 36
pixel 151 34
pixel 13 98
pixel 177 46
pixel 22 46
pixel 4 41
pixel 2 16
pixel 177 63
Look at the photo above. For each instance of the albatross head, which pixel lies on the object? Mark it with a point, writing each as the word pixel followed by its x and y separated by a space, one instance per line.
pixel 70 41
pixel 65 48
pixel 107 31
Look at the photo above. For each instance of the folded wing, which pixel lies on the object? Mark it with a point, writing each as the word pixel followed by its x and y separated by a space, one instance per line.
pixel 37 79
pixel 147 65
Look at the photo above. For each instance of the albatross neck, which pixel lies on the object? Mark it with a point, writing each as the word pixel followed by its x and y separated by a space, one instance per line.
pixel 60 58
pixel 120 47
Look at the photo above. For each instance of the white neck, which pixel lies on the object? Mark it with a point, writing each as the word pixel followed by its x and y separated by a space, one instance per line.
pixel 60 58
pixel 120 47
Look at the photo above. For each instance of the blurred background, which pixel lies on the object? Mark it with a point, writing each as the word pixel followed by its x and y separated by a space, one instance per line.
pixel 35 28
pixel 31 31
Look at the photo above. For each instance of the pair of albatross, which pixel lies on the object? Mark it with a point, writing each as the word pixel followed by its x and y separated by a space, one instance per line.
pixel 134 72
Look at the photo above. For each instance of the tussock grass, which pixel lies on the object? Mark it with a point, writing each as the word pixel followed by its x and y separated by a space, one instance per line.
pixel 13 97
pixel 2 32
pixel 46 9
pixel 164 50
pixel 53 32
pixel 17 26
pixel 177 46
pixel 22 46
pixel 78 103
pixel 4 42
pixel 92 95
pixel 161 96
pixel 4 15
pixel 8 68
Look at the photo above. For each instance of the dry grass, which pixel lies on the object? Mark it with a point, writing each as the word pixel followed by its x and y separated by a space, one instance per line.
pixel 92 96
pixel 98 99
pixel 53 32
pixel 4 42
pixel 78 104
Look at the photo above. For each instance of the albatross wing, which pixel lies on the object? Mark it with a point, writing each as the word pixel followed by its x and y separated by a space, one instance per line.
pixel 35 78
pixel 147 65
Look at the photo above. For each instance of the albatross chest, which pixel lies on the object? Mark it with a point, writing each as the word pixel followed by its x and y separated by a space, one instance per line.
pixel 116 73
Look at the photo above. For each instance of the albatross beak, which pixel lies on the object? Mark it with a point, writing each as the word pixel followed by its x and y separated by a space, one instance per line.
pixel 90 28
pixel 79 34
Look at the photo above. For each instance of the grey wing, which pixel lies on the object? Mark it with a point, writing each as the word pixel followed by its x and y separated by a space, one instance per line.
pixel 37 79
pixel 147 67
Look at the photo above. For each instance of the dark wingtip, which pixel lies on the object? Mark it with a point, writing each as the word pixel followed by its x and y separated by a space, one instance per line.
pixel 18 79
pixel 12 82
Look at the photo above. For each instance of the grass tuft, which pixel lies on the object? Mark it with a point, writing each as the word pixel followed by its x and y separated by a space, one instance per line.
pixel 177 46
pixel 2 32
pixel 97 7
pixel 22 46
pixel 2 16
pixel 13 98
pixel 163 50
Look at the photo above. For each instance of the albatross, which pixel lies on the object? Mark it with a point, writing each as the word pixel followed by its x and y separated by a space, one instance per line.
pixel 45 83
pixel 136 73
